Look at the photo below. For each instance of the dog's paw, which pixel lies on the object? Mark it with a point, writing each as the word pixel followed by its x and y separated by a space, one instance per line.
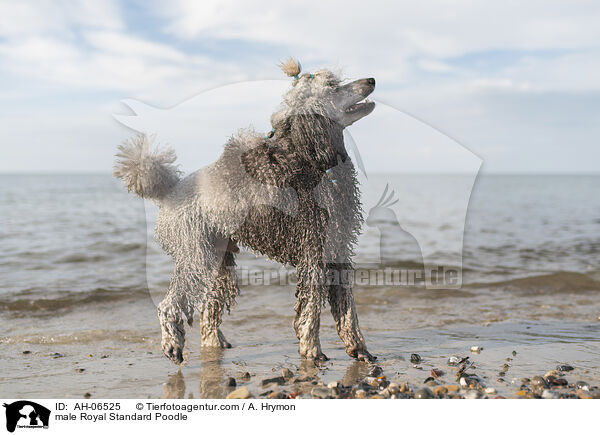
pixel 174 352
pixel 321 357
pixel 361 355
pixel 223 341
pixel 364 355
pixel 314 355
pixel 173 332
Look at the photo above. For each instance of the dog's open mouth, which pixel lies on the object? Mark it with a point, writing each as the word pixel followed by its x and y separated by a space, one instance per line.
pixel 358 106
pixel 352 101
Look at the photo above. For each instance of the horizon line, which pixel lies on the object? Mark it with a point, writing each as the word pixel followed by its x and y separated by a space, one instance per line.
pixel 481 172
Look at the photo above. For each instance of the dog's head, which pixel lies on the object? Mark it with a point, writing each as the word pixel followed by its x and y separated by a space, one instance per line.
pixel 323 93
pixel 319 106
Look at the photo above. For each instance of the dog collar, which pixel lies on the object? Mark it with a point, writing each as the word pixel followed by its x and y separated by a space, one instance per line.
pixel 296 77
pixel 270 134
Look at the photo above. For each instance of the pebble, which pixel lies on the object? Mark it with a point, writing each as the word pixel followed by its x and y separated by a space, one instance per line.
pixel 564 368
pixel 26 352
pixel 332 384
pixel 551 373
pixel 277 395
pixel 582 394
pixel 436 373
pixel 549 394
pixel 303 379
pixel 287 373
pixel 538 382
pixel 393 388
pixel 320 392
pixel 57 355
pixel 360 394
pixel 415 358
pixel 453 388
pixel 476 349
pixel 279 380
pixel 525 381
pixel 423 393
pixel 490 390
pixel 87 395
pixel 440 391
pixel 453 361
pixel 580 385
pixel 376 371
pixel 560 382
pixel 245 376
pixel 404 387
pixel 80 370
pixel 240 393
pixel 472 394
pixel 373 382
pixel 514 353
pixel 231 382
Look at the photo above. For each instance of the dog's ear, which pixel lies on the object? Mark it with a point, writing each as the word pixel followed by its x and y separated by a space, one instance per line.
pixel 291 67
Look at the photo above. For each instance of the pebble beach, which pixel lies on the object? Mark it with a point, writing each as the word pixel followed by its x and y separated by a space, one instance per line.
pixel 459 380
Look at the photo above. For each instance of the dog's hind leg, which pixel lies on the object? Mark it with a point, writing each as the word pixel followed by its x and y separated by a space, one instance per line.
pixel 343 309
pixel 307 322
pixel 225 290
pixel 211 318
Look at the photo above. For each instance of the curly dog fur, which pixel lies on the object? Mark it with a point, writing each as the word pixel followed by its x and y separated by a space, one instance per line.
pixel 292 196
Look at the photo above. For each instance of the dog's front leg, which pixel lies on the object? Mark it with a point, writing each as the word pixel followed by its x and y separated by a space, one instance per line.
pixel 306 324
pixel 344 313
pixel 308 312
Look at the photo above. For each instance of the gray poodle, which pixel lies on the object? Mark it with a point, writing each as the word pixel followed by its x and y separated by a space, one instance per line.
pixel 292 196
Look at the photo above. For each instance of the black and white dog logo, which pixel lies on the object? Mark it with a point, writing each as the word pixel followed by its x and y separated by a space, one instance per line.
pixel 26 414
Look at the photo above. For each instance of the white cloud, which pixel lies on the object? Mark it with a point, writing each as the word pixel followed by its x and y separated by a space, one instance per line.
pixel 439 29
pixel 418 52
pixel 57 17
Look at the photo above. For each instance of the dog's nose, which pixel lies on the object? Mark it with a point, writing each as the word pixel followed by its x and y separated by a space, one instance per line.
pixel 371 81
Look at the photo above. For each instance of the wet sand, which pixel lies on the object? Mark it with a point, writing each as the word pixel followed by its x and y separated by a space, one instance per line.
pixel 112 350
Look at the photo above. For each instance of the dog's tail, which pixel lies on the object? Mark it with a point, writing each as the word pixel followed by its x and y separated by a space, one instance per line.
pixel 150 173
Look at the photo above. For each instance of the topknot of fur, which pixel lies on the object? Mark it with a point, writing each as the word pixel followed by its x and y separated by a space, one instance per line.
pixel 291 67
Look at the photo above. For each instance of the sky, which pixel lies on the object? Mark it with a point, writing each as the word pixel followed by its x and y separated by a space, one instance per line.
pixel 514 82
